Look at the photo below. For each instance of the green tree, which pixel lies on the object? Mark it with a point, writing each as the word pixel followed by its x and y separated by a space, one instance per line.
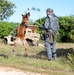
pixel 66 29
pixel 39 22
pixel 6 28
pixel 6 9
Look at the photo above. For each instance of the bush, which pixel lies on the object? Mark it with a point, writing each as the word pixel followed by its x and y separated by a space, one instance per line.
pixel 6 28
pixel 71 58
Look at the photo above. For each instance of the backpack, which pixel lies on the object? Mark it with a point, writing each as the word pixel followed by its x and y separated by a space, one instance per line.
pixel 52 23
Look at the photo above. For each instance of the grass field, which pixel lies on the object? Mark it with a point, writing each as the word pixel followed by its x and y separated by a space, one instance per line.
pixel 37 59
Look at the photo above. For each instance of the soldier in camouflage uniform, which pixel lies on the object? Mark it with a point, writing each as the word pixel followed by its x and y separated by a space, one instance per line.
pixel 51 26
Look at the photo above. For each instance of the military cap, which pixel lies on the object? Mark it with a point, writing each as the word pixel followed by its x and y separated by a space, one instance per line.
pixel 49 10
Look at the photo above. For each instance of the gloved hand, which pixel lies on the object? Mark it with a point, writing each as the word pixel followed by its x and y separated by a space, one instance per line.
pixel 40 27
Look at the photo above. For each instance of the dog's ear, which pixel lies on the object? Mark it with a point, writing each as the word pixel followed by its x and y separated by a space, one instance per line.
pixel 28 13
pixel 22 14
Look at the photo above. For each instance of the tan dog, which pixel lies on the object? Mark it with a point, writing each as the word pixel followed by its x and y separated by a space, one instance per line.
pixel 20 32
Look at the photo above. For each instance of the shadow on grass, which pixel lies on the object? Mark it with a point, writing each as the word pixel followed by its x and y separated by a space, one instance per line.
pixel 3 55
pixel 40 55
pixel 60 53
pixel 43 55
pixel 63 52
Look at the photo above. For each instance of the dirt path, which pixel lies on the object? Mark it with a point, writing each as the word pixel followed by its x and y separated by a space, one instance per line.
pixel 12 71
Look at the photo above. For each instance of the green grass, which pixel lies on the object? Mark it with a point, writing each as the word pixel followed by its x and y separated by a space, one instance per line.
pixel 37 59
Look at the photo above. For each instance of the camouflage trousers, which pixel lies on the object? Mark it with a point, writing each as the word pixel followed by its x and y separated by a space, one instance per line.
pixel 50 43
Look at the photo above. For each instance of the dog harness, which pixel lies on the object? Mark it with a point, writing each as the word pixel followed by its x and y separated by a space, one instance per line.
pixel 23 24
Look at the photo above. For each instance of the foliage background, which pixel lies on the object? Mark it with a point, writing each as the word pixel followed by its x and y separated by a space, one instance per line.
pixel 6 28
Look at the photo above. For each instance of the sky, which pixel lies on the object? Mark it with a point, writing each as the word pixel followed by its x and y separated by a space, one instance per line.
pixel 60 7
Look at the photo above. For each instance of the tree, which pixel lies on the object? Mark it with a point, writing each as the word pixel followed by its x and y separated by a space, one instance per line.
pixel 66 29
pixel 6 28
pixel 35 9
pixel 39 22
pixel 6 9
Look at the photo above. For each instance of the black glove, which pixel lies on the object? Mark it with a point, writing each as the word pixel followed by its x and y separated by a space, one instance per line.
pixel 41 27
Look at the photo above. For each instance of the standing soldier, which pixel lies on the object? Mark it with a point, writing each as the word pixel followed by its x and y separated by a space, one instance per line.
pixel 51 27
